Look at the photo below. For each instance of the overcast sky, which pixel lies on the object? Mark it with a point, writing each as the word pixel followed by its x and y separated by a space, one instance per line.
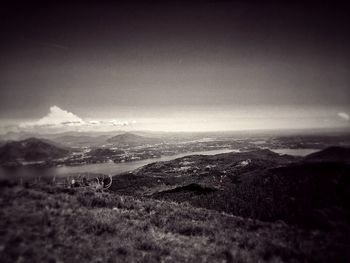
pixel 197 66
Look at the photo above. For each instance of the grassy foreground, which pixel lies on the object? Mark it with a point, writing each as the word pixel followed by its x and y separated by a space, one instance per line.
pixel 51 224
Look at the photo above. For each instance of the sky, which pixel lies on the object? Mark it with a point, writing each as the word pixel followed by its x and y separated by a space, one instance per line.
pixel 182 66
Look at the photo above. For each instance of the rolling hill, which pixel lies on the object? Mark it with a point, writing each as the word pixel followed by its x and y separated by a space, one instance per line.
pixel 132 140
pixel 259 184
pixel 29 150
pixel 80 140
pixel 330 154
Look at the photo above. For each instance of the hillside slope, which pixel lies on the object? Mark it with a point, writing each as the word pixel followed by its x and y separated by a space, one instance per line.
pixel 31 149
pixel 45 224
pixel 330 154
pixel 258 184
pixel 131 140
pixel 81 141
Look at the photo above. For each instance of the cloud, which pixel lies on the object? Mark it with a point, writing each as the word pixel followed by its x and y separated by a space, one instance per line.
pixel 60 120
pixel 343 116
pixel 118 123
pixel 57 117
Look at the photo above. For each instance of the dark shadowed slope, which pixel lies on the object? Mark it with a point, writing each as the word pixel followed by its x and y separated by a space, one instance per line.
pixel 31 149
pixel 331 154
pixel 258 184
pixel 217 172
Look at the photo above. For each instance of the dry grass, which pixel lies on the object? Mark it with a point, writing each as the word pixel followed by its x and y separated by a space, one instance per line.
pixel 45 224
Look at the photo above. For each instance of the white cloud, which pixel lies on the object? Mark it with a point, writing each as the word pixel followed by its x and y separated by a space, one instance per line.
pixel 59 120
pixel 343 116
pixel 57 117
pixel 118 123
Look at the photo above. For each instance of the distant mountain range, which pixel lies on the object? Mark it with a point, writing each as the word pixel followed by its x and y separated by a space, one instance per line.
pixel 91 139
pixel 130 139
pixel 29 150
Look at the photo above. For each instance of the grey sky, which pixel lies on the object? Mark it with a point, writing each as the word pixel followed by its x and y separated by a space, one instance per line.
pixel 117 61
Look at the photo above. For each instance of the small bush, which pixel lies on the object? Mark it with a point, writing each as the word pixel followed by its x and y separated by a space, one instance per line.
pixel 93 199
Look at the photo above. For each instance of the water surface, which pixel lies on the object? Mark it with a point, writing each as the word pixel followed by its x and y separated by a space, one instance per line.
pixel 26 172
pixel 295 152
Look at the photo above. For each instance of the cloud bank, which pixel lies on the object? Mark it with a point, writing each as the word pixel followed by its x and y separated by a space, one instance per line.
pixel 59 119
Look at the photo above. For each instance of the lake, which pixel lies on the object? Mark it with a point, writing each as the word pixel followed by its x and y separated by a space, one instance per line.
pixel 27 172
pixel 295 152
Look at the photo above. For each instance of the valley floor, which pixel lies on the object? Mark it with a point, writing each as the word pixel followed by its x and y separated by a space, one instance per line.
pixel 51 224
